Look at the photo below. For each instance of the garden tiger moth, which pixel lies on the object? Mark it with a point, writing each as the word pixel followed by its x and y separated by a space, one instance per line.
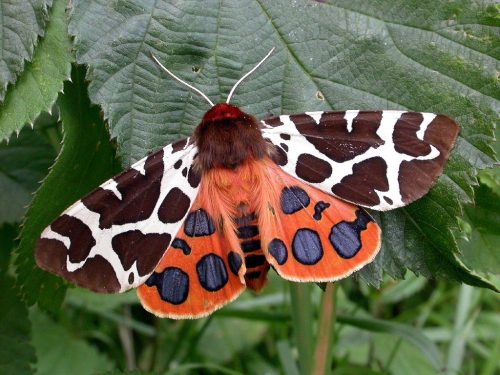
pixel 195 223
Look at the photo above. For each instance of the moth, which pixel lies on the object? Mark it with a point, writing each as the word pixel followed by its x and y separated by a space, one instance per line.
pixel 194 224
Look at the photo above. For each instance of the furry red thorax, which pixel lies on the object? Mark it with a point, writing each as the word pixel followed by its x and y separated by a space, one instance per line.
pixel 226 137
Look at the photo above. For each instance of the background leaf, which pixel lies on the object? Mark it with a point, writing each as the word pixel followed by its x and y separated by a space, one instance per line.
pixel 60 353
pixel 16 353
pixel 24 162
pixel 42 79
pixel 22 22
pixel 482 249
pixel 86 160
pixel 433 56
pixel 224 338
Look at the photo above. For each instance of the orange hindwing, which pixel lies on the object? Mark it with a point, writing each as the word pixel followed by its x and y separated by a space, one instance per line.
pixel 308 235
pixel 246 220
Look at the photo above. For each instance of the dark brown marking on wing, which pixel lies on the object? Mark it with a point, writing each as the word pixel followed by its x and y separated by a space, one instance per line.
pixel 279 157
pixel 139 195
pixel 285 136
pixel 145 249
pixel 174 206
pixel 80 236
pixel 96 274
pixel 359 187
pixel 405 135
pixel 332 138
pixel 179 145
pixel 312 169
pixel 193 177
pixel 416 177
pixel 273 121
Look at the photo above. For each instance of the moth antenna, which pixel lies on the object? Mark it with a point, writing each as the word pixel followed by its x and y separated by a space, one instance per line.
pixel 181 81
pixel 246 75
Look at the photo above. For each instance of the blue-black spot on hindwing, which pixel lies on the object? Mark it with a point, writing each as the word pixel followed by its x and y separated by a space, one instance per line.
pixel 278 251
pixel 306 246
pixel 346 236
pixel 234 261
pixel 198 224
pixel 180 244
pixel 319 208
pixel 212 272
pixel 172 285
pixel 293 199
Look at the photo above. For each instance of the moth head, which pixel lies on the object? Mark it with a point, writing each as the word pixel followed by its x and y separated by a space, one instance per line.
pixel 223 113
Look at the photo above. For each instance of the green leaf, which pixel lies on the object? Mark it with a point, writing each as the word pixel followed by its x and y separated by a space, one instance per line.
pixel 481 250
pixel 85 161
pixel 224 338
pixel 406 358
pixel 406 332
pixel 22 22
pixel 23 164
pixel 16 353
pixel 438 57
pixel 42 79
pixel 286 357
pixel 60 353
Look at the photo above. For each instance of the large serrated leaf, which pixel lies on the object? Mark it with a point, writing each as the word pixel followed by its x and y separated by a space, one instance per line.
pixel 425 56
pixel 39 84
pixel 21 23
pixel 86 160
pixel 23 164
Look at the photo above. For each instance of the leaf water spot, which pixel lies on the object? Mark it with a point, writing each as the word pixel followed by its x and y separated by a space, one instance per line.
pixel 320 96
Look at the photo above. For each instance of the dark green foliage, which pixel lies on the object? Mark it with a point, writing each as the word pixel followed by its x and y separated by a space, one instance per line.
pixel 85 161
pixel 436 56
pixel 25 161
pixel 16 353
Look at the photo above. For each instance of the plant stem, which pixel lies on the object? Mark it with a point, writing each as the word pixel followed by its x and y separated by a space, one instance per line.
pixel 127 340
pixel 303 324
pixel 324 342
